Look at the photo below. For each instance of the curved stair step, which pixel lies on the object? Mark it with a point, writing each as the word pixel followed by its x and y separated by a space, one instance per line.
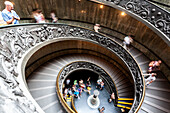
pixel 160 84
pixel 156 108
pixel 158 89
pixel 158 97
pixel 162 94
pixel 145 110
pixel 158 102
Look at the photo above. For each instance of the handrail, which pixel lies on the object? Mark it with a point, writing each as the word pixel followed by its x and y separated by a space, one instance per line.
pixel 72 104
pixel 151 15
pixel 20 38
pixel 62 101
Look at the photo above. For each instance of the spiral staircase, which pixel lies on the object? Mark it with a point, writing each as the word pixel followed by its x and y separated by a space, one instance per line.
pixel 42 83
pixel 42 74
pixel 31 74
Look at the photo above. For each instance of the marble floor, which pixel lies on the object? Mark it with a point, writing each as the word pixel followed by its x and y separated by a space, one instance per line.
pixel 82 106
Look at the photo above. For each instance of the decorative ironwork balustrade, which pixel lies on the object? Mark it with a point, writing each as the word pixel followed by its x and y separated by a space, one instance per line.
pixel 17 40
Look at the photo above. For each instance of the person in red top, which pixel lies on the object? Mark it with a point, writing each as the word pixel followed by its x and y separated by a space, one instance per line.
pixel 154 65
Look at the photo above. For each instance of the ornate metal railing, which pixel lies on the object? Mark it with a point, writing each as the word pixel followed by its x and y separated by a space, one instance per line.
pixel 82 65
pixel 153 16
pixel 17 40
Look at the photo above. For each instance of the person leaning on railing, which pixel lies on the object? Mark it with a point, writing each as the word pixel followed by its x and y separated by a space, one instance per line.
pixel 9 15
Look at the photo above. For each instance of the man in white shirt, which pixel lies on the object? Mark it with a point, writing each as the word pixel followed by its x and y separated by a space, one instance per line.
pixel 96 28
pixel 127 41
pixel 68 83
pixel 150 79
pixel 9 15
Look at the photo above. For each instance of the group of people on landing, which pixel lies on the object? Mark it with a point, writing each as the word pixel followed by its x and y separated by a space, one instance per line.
pixel 77 88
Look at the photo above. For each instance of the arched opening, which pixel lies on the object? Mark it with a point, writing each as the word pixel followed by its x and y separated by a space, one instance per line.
pixel 82 74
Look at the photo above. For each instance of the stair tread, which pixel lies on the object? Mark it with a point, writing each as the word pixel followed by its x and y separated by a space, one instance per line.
pixel 159 103
pixel 157 106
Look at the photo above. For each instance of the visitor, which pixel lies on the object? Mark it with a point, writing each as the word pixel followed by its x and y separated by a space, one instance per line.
pixel 98 83
pixel 89 90
pixel 150 79
pixel 101 85
pixel 67 83
pixel 53 16
pixel 122 110
pixel 96 27
pixel 39 17
pixel 74 88
pixel 81 84
pixel 65 91
pixel 112 97
pixel 65 94
pixel 88 84
pixel 9 15
pixel 101 110
pixel 69 92
pixel 80 89
pixel 76 94
pixel 75 83
pixel 127 41
pixel 34 13
pixel 154 66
